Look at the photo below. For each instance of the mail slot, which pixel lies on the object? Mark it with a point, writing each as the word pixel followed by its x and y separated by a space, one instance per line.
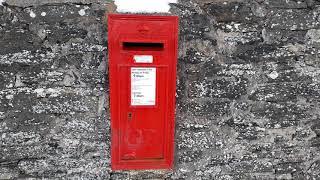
pixel 143 46
pixel 142 75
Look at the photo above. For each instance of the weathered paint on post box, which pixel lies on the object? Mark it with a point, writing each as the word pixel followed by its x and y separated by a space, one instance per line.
pixel 142 74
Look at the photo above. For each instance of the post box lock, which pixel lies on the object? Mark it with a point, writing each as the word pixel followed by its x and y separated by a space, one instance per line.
pixel 129 116
pixel 142 74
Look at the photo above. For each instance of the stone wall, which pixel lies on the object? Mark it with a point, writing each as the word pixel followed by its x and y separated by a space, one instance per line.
pixel 248 90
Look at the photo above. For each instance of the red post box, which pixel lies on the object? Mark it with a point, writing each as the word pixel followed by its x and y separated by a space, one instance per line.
pixel 142 74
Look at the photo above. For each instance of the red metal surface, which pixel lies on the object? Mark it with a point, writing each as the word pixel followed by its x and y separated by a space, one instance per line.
pixel 142 136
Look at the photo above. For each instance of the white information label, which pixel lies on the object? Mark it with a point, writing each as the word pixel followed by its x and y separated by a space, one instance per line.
pixel 143 58
pixel 143 86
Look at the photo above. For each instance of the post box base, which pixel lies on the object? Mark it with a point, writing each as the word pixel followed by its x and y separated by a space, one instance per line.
pixel 141 165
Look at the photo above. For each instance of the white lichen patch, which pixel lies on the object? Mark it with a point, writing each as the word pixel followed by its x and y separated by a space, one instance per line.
pixel 32 14
pixel 273 75
pixel 202 88
pixel 297 49
pixel 10 96
pixel 22 138
pixel 26 57
pixel 53 92
pixel 82 12
pixel 306 70
pixel 313 35
pixel 40 92
pixel 1 2
pixel 237 70
pixel 60 107
pixel 280 52
pixel 1 117
pixel 50 92
pixel 228 41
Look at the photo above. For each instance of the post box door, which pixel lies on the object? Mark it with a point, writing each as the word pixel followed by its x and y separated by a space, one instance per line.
pixel 142 126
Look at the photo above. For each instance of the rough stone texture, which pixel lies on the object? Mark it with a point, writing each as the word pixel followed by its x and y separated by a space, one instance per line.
pixel 248 90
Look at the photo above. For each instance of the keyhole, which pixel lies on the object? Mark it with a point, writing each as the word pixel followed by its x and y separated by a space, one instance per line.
pixel 129 116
